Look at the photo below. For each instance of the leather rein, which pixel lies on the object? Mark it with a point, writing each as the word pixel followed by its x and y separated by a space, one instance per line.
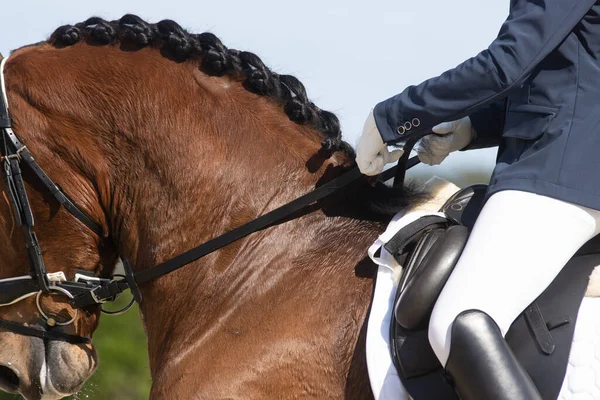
pixel 86 290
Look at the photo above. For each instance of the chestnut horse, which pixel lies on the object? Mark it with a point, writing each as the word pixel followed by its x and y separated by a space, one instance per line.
pixel 168 139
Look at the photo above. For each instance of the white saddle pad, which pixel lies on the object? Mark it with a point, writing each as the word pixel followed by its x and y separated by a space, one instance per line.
pixel 582 381
pixel 384 379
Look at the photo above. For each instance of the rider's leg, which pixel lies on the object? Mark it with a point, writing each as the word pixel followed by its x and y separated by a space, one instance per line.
pixel 518 245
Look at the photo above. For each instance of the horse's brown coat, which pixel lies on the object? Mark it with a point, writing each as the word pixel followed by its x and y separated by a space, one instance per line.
pixel 165 158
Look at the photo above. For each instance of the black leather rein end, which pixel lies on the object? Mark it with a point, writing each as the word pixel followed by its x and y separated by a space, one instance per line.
pixel 405 162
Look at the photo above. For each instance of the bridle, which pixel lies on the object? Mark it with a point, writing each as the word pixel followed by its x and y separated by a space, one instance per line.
pixel 39 281
pixel 86 290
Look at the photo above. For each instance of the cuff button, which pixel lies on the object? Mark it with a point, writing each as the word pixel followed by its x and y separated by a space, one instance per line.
pixel 416 122
pixel 401 130
pixel 408 126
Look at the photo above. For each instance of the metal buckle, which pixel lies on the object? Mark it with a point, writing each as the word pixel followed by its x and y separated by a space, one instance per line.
pixel 109 312
pixel 89 279
pixel 56 277
pixel 94 297
pixel 16 156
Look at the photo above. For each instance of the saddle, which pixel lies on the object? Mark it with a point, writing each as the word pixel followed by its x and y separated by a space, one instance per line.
pixel 540 337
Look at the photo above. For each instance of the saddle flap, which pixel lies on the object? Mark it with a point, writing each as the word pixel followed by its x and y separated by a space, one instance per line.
pixel 413 308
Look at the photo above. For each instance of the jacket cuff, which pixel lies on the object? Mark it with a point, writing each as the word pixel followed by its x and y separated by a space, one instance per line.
pixel 386 130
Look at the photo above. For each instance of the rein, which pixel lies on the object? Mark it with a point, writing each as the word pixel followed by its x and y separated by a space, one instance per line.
pixel 265 221
pixel 85 290
pixel 110 291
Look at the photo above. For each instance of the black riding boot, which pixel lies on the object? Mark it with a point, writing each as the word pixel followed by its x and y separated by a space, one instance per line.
pixel 481 364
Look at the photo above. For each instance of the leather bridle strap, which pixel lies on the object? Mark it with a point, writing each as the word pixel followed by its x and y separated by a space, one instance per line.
pixel 22 211
pixel 255 225
pixel 43 334
pixel 23 153
pixel 109 291
pixel 405 162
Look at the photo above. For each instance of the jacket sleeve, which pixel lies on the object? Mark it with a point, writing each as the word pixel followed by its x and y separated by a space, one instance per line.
pixel 488 124
pixel 533 29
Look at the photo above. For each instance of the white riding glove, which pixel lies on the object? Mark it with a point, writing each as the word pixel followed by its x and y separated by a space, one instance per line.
pixel 371 153
pixel 433 149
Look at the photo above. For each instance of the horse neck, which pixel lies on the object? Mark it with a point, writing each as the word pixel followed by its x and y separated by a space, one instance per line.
pixel 195 195
pixel 201 194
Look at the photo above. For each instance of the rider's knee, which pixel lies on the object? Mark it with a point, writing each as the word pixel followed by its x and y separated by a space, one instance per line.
pixel 438 332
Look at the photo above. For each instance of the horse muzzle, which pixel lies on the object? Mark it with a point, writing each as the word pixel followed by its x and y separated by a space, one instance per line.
pixel 43 370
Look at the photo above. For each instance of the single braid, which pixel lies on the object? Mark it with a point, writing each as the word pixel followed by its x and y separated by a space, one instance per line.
pixel 215 59
pixel 235 62
pixel 259 79
pixel 331 128
pixel 99 31
pixel 136 31
pixel 297 106
pixel 65 35
pixel 175 39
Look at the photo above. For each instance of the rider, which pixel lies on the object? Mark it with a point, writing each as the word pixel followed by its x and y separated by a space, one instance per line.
pixel 535 93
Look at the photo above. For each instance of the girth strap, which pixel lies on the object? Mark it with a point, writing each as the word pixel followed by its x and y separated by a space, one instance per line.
pixel 539 329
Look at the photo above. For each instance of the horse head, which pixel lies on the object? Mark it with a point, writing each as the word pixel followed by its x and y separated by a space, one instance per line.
pixel 44 344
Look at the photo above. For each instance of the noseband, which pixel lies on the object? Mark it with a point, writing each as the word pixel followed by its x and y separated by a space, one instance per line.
pixel 86 290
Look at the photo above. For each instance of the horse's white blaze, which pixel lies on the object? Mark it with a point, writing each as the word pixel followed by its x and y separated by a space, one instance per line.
pixel 49 392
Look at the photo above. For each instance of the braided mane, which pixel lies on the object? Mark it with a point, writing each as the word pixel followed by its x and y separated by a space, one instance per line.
pixel 132 33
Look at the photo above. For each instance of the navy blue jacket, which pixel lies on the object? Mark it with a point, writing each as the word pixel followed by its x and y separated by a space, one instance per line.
pixel 535 92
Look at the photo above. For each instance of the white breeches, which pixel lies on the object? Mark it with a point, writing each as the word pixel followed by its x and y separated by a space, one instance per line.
pixel 517 247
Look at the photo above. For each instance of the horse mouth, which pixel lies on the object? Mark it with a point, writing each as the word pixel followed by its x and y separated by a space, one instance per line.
pixel 48 372
pixel 9 380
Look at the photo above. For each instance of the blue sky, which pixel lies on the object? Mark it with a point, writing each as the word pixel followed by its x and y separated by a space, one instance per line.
pixel 349 54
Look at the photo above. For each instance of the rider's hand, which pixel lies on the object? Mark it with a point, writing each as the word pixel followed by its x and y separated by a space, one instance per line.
pixel 371 153
pixel 451 136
